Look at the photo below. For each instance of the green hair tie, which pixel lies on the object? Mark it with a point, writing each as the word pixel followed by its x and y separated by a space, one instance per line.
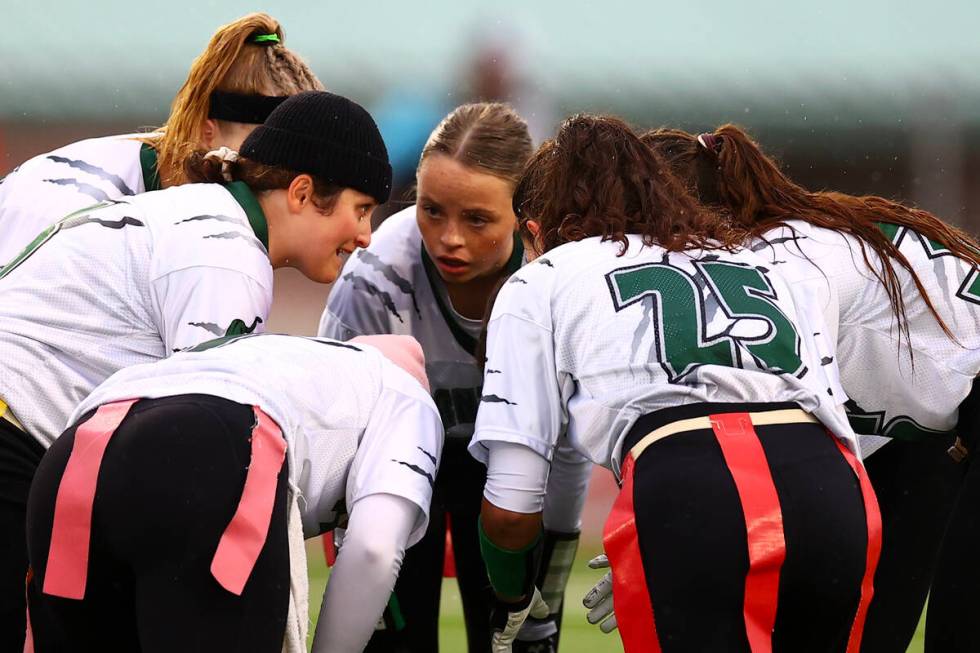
pixel 265 38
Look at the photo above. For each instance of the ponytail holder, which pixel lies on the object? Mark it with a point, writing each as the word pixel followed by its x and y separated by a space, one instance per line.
pixel 265 38
pixel 227 156
pixel 710 142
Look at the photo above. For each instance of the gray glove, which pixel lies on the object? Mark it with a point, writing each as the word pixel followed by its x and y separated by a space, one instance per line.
pixel 599 600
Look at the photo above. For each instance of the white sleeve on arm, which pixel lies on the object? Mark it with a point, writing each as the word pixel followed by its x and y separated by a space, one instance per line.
pixel 516 477
pixel 364 575
pixel 201 303
pixel 567 488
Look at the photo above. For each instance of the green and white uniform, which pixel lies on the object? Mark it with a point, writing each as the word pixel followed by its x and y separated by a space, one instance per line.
pixel 894 390
pixel 46 188
pixel 392 287
pixel 127 282
pixel 624 336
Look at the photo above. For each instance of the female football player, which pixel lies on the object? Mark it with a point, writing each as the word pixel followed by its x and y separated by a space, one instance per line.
pixel 243 74
pixel 428 273
pixel 135 279
pixel 900 290
pixel 679 361
pixel 170 514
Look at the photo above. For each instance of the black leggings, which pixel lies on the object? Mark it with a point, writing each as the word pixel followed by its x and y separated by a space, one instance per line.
pixel 691 541
pixel 19 457
pixel 916 484
pixel 955 599
pixel 170 482
pixel 458 493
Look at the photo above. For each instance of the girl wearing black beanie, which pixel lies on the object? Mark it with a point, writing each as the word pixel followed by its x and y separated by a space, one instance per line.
pixel 134 279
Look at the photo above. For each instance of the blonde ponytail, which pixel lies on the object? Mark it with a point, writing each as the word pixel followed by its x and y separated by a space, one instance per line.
pixel 234 61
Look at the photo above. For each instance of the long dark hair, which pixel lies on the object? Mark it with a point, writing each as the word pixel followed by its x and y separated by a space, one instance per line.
pixel 729 170
pixel 596 178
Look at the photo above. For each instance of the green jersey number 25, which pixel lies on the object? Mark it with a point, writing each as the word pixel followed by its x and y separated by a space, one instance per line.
pixel 680 325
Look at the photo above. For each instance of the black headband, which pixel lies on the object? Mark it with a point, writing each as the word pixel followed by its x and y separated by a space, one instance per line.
pixel 238 107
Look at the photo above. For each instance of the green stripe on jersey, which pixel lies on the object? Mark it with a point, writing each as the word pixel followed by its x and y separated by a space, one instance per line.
pixel 256 217
pixel 149 166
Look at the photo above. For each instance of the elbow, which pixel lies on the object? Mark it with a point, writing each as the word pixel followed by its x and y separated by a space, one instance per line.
pixel 378 558
pixel 509 529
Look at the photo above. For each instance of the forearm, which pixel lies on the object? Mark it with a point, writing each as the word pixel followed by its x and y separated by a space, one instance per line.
pixel 364 575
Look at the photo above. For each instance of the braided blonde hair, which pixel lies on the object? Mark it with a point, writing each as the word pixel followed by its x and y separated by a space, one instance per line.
pixel 233 62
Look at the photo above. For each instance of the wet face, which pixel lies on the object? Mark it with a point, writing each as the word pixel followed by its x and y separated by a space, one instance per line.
pixel 466 219
pixel 317 241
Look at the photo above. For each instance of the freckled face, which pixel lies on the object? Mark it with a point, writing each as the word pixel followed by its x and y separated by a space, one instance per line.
pixel 466 219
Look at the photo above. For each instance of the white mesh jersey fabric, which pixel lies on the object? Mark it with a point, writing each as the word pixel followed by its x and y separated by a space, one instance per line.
pixel 894 389
pixel 586 338
pixel 355 423
pixel 384 289
pixel 46 188
pixel 123 284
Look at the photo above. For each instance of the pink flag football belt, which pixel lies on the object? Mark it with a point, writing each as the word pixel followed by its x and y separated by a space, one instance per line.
pixel 240 544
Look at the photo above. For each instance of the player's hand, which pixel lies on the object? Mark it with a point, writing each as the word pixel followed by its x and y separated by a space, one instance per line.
pixel 599 600
pixel 507 619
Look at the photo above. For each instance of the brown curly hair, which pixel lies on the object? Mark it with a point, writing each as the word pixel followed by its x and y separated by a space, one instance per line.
pixel 727 169
pixel 596 178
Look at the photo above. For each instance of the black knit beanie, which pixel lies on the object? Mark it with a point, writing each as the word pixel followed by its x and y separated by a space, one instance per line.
pixel 327 136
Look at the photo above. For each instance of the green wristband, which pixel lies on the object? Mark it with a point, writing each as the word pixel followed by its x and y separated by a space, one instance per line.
pixel 511 572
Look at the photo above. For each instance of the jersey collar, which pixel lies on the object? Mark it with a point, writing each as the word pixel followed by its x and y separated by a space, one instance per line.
pixel 148 164
pixel 256 217
pixel 463 339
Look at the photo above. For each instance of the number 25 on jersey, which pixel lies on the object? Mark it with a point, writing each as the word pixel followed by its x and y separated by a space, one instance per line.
pixel 681 326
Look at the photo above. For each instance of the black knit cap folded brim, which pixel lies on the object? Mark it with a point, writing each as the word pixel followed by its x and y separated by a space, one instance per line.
pixel 327 136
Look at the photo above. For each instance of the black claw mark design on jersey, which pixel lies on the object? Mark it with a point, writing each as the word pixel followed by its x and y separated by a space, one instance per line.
pixel 517 280
pixel 418 470
pixel 544 261
pixel 365 286
pixel 84 166
pixel 219 218
pixel 489 371
pixel 427 455
pixel 334 343
pixel 210 326
pixel 494 399
pixel 826 360
pixel 830 392
pixel 708 258
pixel 389 273
pixel 95 193
pixel 125 221
pixel 232 235
pixel 764 243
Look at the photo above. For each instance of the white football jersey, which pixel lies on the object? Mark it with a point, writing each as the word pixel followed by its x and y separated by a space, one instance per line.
pixel 128 282
pixel 355 423
pixel 48 187
pixel 590 340
pixel 894 391
pixel 390 288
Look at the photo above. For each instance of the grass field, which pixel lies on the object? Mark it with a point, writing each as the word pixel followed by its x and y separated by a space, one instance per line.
pixel 578 636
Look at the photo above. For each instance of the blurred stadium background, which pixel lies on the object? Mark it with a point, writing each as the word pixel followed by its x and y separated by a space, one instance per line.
pixel 877 96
